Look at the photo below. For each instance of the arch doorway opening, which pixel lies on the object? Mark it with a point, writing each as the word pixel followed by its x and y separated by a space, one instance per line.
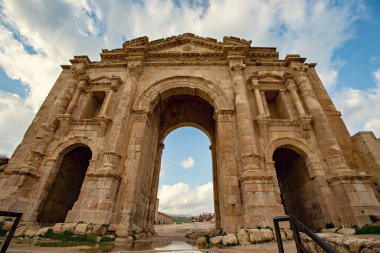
pixel 65 190
pixel 298 195
pixel 185 189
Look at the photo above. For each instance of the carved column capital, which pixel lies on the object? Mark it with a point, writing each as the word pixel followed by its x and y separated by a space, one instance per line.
pixel 135 68
pixel 83 82
pixel 290 84
pixel 115 82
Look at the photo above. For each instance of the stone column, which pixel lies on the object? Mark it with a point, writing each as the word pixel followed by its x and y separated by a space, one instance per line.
pixel 115 83
pixel 81 86
pixel 352 192
pixel 228 182
pixel 291 86
pixel 103 118
pixel 215 186
pixel 155 180
pixel 259 101
pixel 243 118
pixel 325 136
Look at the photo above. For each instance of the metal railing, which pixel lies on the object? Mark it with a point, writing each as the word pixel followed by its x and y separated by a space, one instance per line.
pixel 297 226
pixel 11 232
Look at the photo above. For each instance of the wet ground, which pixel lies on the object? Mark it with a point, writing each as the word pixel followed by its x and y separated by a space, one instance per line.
pixel 161 246
pixel 170 238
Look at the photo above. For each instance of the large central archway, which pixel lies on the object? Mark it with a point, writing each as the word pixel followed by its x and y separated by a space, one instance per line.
pixel 165 106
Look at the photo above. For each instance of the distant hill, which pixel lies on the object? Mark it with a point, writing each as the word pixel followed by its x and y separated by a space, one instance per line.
pixel 181 219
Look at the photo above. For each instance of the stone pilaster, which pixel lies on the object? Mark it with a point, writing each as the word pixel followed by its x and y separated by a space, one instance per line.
pixel 127 200
pixel 121 119
pixel 154 190
pixel 231 211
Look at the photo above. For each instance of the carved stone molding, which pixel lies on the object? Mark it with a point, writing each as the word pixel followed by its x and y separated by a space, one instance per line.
pixel 141 115
pixel 254 175
pixel 111 159
pixel 251 161
pixel 223 115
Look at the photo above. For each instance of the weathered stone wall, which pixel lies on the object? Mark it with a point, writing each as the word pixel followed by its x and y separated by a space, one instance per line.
pixel 248 101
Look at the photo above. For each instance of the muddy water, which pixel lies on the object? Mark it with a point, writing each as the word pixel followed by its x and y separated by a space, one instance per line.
pixel 143 246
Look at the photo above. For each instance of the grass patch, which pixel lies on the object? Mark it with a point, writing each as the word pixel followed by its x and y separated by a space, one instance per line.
pixel 266 227
pixel 2 231
pixel 107 239
pixel 68 236
pixel 367 229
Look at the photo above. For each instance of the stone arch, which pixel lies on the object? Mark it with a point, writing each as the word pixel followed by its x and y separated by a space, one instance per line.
pixel 183 85
pixel 298 167
pixel 186 124
pixel 67 174
pixel 70 143
pixel 300 147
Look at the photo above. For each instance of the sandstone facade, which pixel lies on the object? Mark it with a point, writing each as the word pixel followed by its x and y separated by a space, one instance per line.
pixel 93 152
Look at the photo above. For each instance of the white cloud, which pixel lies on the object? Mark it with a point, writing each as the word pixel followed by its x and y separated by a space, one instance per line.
pixel 181 199
pixel 187 163
pixel 15 117
pixel 58 30
pixel 360 107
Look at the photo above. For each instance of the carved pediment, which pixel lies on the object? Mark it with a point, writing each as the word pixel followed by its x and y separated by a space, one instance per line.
pixel 269 77
pixel 186 43
pixel 105 82
pixel 186 48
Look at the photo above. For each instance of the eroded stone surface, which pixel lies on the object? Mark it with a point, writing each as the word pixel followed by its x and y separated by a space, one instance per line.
pixel 97 140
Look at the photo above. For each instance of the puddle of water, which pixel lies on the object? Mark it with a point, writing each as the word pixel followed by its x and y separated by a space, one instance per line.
pixel 151 246
pixel 147 246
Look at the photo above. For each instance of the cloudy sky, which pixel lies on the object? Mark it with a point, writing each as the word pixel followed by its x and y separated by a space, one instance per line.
pixel 37 36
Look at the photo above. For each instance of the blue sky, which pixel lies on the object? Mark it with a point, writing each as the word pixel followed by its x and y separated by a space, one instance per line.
pixel 37 36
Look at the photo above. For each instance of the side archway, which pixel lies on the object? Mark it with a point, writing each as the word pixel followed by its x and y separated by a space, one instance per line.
pixel 67 175
pixel 296 169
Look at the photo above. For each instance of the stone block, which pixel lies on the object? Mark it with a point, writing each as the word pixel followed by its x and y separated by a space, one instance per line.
pixel 346 231
pixel 81 229
pixel 42 231
pixel 216 240
pixel 202 241
pixel 288 233
pixel 57 228
pixel 98 229
pixel 255 235
pixel 20 231
pixel 266 235
pixel 229 239
pixel 31 231
pixel 7 225
pixel 69 227
pixel 242 236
